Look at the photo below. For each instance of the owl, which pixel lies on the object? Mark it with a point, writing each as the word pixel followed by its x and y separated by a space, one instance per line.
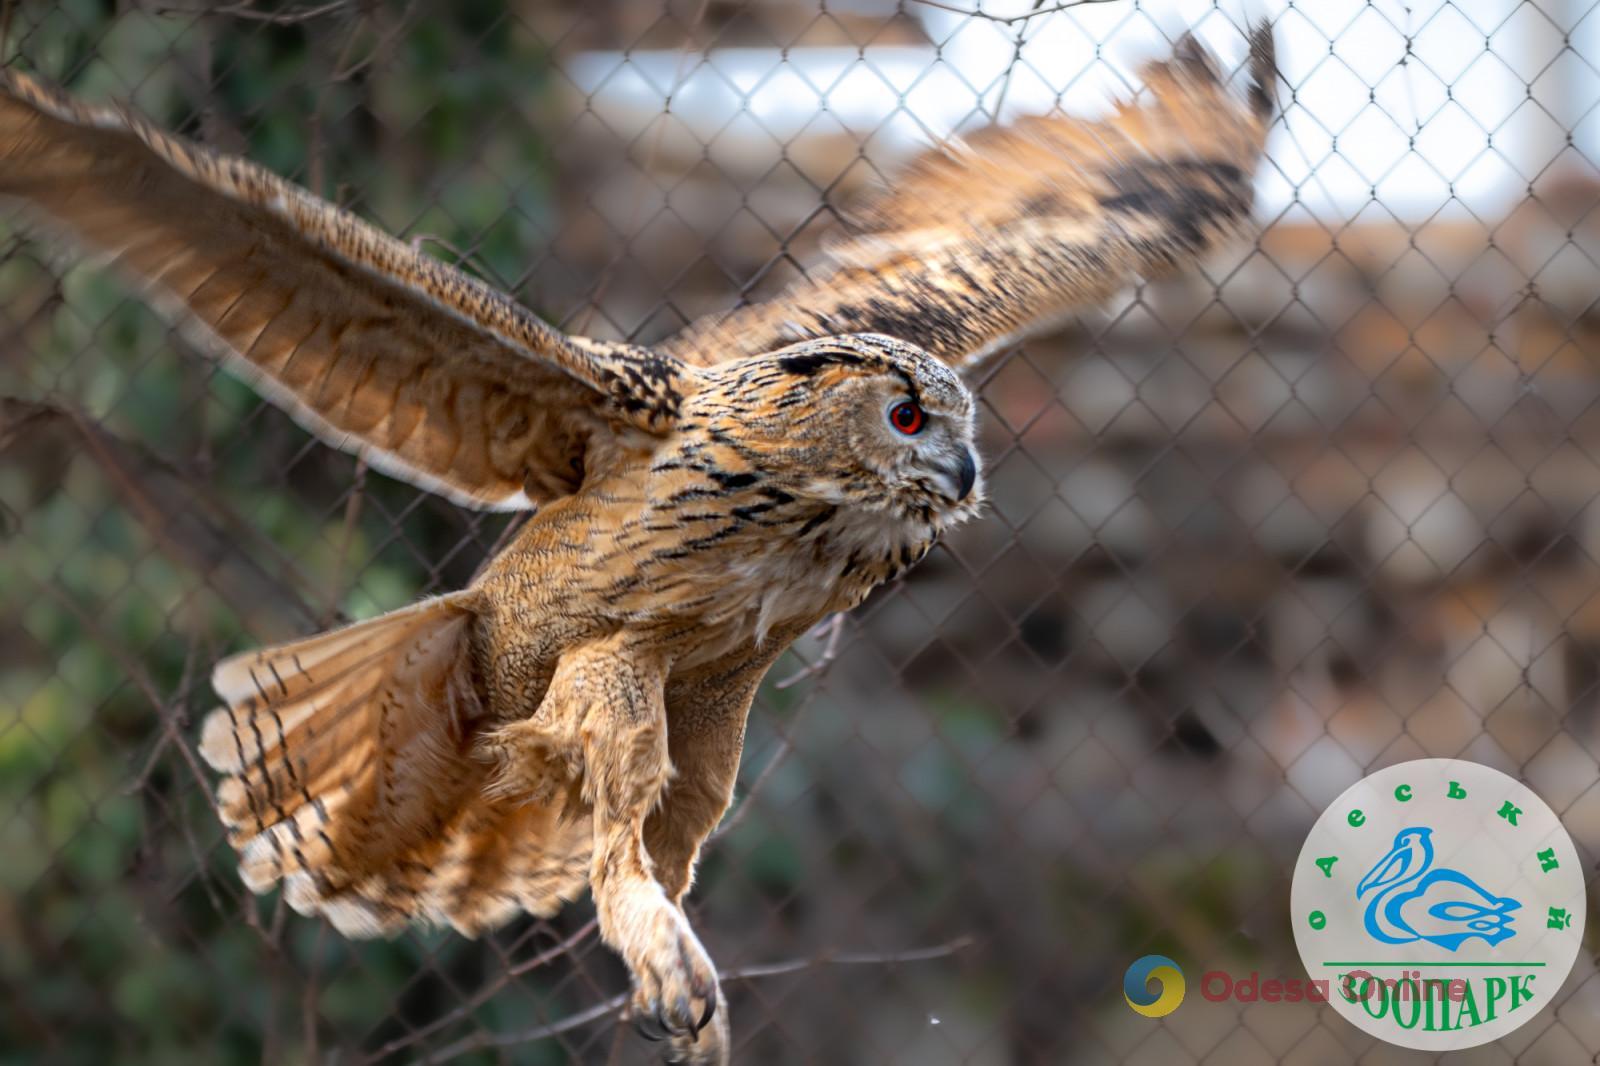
pixel 575 717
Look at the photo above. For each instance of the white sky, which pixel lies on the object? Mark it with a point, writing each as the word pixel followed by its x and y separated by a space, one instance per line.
pixel 1482 107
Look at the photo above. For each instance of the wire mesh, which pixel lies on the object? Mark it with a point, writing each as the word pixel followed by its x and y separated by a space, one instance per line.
pixel 1325 505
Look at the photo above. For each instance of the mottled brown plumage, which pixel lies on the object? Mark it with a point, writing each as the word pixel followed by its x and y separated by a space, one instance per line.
pixel 576 715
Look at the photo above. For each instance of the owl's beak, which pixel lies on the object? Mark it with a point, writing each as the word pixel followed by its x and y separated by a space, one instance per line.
pixel 957 479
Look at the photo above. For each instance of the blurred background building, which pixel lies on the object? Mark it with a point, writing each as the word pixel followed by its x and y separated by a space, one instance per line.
pixel 1326 505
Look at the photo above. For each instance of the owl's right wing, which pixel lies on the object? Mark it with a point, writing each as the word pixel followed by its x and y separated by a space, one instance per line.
pixel 432 376
pixel 1011 229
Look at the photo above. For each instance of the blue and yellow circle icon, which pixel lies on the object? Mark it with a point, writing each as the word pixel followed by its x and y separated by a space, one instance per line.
pixel 1169 981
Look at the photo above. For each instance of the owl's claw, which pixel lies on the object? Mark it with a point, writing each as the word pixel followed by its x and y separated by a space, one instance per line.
pixel 699 1041
pixel 675 1021
pixel 649 1027
pixel 674 980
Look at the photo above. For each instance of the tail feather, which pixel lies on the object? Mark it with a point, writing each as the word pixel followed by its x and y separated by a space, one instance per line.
pixel 320 755
pixel 272 693
pixel 351 779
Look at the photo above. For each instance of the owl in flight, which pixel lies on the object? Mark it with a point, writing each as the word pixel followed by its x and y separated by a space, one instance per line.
pixel 576 715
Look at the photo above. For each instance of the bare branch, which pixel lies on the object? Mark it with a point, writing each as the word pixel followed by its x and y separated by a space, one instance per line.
pixel 834 628
pixel 545 957
pixel 250 12
pixel 1011 67
pixel 483 995
pixel 605 1008
pixel 1006 20
pixel 851 958
pixel 477 1041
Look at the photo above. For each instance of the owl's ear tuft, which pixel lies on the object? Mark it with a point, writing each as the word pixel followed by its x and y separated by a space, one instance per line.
pixel 805 364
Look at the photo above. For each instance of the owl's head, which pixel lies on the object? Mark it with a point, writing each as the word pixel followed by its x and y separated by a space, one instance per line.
pixel 862 421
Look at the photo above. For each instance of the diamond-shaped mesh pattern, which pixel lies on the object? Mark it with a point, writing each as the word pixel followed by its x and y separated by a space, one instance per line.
pixel 1328 504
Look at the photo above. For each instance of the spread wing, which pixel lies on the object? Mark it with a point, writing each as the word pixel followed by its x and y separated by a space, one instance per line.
pixel 431 375
pixel 1018 226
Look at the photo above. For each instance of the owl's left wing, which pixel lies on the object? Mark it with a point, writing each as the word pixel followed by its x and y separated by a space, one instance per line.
pixel 431 375
pixel 1019 226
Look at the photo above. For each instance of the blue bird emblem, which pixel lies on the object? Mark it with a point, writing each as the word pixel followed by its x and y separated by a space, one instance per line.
pixel 1412 901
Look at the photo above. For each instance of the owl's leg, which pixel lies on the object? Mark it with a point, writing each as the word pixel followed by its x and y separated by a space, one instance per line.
pixel 695 802
pixel 705 740
pixel 704 768
pixel 706 712
pixel 624 734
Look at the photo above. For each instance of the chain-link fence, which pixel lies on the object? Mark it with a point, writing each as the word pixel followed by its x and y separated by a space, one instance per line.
pixel 1326 505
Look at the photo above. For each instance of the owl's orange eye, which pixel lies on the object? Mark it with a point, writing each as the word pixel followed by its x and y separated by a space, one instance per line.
pixel 907 417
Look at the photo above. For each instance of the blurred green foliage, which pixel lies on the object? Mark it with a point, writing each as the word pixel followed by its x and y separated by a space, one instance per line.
pixel 124 934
